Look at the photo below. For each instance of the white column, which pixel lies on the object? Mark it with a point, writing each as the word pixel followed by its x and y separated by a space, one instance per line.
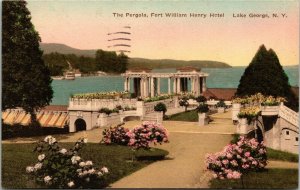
pixel 203 84
pixel 128 84
pixel 158 86
pixel 147 87
pixel 169 85
pixel 178 85
pixel 152 86
pixel 142 87
pixel 197 86
pixel 192 85
pixel 125 84
pixel 174 85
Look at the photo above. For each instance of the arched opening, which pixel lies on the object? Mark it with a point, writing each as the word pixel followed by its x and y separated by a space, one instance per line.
pixel 80 125
pixel 131 118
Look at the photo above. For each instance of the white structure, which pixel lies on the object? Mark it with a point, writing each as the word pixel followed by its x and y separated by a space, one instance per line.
pixel 147 84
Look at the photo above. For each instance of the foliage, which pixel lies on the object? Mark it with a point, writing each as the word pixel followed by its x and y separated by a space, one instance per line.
pixel 127 108
pixel 115 135
pixel 26 79
pixel 113 157
pixel 184 102
pixel 102 95
pixel 108 111
pixel 236 159
pixel 201 99
pixel 147 133
pixel 259 98
pixel 266 75
pixel 109 61
pixel 202 108
pixel 221 104
pixel 157 98
pixel 61 168
pixel 249 113
pixel 267 179
pixel 282 155
pixel 160 107
pixel 18 130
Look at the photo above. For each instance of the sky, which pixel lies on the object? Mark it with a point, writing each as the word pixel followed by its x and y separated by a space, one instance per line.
pixel 229 39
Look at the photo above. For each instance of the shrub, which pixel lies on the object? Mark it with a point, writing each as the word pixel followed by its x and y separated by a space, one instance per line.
pixel 184 102
pixel 108 111
pixel 238 158
pixel 147 133
pixel 115 135
pixel 160 107
pixel 249 113
pixel 203 108
pixel 221 104
pixel 201 99
pixel 61 168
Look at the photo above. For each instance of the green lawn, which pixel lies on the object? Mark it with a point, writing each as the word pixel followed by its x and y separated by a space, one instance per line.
pixel 272 178
pixel 191 115
pixel 15 158
pixel 281 155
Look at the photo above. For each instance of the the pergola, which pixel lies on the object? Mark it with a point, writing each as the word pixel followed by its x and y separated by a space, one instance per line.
pixel 147 84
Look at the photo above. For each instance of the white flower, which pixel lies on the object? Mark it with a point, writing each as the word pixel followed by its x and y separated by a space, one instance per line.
pixel 91 171
pixel 41 157
pixel 38 166
pixel 87 179
pixel 104 170
pixel 81 164
pixel 49 139
pixel 88 163
pixel 71 184
pixel 85 140
pixel 79 170
pixel 75 159
pixel 63 151
pixel 47 179
pixel 29 169
pixel 100 174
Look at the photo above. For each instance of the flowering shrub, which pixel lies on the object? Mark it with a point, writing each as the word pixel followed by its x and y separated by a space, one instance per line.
pixel 61 168
pixel 147 133
pixel 238 158
pixel 271 101
pixel 250 112
pixel 259 98
pixel 108 111
pixel 157 98
pixel 116 135
pixel 103 95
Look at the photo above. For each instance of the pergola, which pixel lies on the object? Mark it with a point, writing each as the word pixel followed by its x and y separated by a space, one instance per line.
pixel 147 84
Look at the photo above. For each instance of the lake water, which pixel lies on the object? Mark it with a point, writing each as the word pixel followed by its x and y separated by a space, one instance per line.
pixel 218 78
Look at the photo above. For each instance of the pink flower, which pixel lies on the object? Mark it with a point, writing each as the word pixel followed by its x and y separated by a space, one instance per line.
pixel 225 162
pixel 247 154
pixel 229 156
pixel 236 175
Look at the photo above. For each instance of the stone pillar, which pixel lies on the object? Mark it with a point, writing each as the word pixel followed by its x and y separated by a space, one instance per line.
pixel 197 86
pixel 125 84
pixel 174 85
pixel 192 85
pixel 203 84
pixel 158 86
pixel 146 87
pixel 178 85
pixel 169 85
pixel 152 86
pixel 128 84
pixel 142 87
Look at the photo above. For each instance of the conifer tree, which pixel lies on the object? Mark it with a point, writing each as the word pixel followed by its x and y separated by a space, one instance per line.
pixel 26 79
pixel 265 75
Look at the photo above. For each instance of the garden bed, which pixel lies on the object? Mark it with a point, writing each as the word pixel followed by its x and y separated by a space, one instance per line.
pixel 191 116
pixel 16 157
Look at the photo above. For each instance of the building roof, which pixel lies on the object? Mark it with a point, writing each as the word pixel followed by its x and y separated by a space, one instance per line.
pixel 220 93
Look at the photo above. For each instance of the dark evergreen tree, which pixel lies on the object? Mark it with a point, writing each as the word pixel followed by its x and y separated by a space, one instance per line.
pixel 26 79
pixel 266 75
pixel 109 61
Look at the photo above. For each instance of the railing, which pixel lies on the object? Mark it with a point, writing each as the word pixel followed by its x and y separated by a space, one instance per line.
pixel 289 115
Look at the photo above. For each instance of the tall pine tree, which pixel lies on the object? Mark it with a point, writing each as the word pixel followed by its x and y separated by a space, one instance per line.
pixel 266 75
pixel 26 79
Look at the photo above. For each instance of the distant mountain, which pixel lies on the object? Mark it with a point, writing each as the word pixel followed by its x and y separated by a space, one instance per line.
pixel 135 62
pixel 64 49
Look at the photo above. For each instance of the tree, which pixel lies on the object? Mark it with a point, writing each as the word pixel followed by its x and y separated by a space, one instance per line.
pixel 109 61
pixel 266 75
pixel 26 79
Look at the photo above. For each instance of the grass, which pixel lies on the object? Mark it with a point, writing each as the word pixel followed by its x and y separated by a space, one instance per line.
pixel 271 178
pixel 281 155
pixel 15 158
pixel 191 116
